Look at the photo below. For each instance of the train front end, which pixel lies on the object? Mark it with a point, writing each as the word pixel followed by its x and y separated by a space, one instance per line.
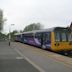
pixel 61 40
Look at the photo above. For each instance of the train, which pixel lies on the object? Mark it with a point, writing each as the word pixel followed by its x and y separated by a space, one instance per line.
pixel 56 39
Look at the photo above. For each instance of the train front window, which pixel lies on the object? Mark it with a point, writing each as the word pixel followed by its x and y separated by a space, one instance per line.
pixel 63 37
pixel 69 37
pixel 57 36
pixel 62 34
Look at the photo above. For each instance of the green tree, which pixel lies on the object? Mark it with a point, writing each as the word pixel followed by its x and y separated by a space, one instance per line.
pixel 2 36
pixel 33 26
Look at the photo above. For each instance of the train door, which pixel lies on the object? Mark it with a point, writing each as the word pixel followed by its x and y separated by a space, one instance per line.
pixel 22 38
pixel 38 39
pixel 46 40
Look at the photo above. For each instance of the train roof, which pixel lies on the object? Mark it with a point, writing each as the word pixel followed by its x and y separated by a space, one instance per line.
pixel 43 30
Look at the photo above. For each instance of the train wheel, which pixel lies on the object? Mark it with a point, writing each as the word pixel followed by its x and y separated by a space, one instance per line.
pixel 65 53
pixel 71 52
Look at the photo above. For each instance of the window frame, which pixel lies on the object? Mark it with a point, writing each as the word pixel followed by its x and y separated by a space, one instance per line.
pixel 64 37
pixel 59 36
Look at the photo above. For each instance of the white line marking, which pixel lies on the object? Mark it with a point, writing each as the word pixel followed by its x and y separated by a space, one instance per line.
pixel 19 58
pixel 35 65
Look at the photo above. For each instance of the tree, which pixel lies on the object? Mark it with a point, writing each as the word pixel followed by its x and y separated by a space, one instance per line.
pixel 33 26
pixel 2 36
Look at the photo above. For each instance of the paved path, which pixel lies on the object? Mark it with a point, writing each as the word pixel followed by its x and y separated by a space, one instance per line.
pixel 45 61
pixel 12 61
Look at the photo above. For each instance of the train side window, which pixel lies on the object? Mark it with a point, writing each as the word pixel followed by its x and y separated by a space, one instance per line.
pixel 38 36
pixel 57 36
pixel 21 35
pixel 44 36
pixel 48 36
pixel 30 35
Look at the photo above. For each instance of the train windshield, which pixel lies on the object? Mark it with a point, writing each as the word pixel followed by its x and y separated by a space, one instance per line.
pixel 69 37
pixel 57 36
pixel 63 34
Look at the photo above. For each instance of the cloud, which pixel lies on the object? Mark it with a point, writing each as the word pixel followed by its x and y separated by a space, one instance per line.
pixel 49 12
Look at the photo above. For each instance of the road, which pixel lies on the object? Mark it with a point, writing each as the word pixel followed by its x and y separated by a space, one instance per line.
pixel 43 60
pixel 12 61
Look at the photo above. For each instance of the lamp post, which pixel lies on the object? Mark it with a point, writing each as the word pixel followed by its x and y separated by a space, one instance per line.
pixel 10 34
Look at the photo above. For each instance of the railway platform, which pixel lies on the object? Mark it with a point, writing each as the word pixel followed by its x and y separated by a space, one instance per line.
pixel 19 57
pixel 43 60
pixel 11 61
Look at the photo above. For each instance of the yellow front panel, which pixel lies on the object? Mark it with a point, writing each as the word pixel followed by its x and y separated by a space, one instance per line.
pixel 59 46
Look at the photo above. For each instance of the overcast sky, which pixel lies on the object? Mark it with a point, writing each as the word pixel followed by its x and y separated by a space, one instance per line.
pixel 50 13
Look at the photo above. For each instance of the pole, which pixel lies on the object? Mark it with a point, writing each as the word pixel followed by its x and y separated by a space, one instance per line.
pixel 9 36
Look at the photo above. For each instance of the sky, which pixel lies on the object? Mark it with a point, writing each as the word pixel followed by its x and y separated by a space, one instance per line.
pixel 50 13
